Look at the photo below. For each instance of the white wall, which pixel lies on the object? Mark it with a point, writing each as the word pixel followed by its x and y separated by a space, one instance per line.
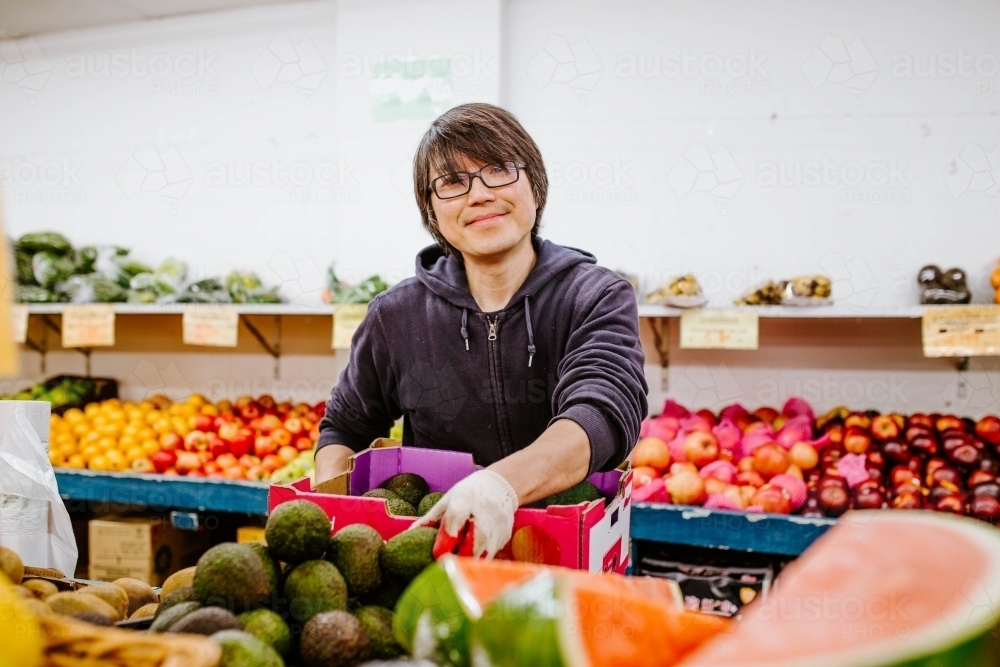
pixel 659 163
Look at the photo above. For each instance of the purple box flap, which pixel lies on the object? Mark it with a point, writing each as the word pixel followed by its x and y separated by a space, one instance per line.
pixel 606 482
pixel 442 469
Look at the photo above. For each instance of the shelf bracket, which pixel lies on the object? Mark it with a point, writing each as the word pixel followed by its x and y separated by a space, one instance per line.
pixel 41 347
pixel 85 351
pixel 661 336
pixel 274 349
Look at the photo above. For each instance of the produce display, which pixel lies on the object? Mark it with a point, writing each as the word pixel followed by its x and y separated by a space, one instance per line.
pixel 792 462
pixel 66 391
pixel 50 270
pixel 801 290
pixel 245 440
pixel 943 287
pixel 995 284
pixel 337 291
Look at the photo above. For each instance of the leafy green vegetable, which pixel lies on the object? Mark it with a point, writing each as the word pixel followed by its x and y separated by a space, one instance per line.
pixel 50 269
pixel 93 287
pixel 22 260
pixel 86 258
pixel 36 294
pixel 363 292
pixel 246 287
pixel 50 242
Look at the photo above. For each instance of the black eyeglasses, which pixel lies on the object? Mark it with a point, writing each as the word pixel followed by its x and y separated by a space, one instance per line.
pixel 459 183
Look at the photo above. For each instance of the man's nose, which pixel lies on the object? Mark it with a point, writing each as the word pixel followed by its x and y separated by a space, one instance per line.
pixel 479 192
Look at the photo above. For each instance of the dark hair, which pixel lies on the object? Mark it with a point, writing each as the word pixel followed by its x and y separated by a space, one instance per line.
pixel 483 133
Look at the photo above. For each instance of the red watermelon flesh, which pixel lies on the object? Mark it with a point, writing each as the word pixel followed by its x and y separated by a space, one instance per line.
pixel 881 588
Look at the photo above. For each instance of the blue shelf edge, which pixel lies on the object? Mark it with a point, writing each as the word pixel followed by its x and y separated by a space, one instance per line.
pixel 724 529
pixel 163 492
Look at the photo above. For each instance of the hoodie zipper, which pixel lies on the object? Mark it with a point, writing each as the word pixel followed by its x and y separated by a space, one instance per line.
pixel 498 404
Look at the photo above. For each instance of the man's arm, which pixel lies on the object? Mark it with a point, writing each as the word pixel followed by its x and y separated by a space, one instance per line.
pixel 557 460
pixel 331 461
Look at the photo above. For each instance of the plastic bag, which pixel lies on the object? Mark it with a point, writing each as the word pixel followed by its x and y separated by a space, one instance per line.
pixel 33 519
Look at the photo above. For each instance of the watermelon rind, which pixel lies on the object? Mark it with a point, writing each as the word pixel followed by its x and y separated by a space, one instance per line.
pixel 965 637
pixel 430 620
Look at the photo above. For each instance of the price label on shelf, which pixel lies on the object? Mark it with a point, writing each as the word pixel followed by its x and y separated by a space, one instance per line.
pixel 19 318
pixel 216 326
pixel 88 326
pixel 347 317
pixel 961 331
pixel 719 330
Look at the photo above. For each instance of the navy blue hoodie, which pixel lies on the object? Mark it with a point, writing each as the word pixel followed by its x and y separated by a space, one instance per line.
pixel 566 346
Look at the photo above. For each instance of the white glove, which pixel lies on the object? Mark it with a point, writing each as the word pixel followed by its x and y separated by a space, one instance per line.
pixel 486 498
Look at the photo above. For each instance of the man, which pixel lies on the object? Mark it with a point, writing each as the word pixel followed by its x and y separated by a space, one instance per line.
pixel 524 353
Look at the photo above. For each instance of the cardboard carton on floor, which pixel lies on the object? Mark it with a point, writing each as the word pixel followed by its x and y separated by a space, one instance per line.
pixel 148 549
pixel 590 536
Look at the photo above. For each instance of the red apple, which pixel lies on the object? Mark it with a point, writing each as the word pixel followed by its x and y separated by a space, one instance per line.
pixel 770 460
pixel 303 443
pixel 250 411
pixel 859 419
pixel 988 428
pixel 171 441
pixel 196 441
pixel 750 478
pixel 256 473
pixel 921 420
pixel 164 459
pixel 772 499
pixel 924 445
pixel 653 453
pixel 682 466
pixel 226 461
pixel 871 498
pixel 884 427
pixel 803 455
pixel 991 489
pixel 766 414
pixel 701 448
pixel 270 463
pixel 217 446
pixel 287 453
pixel 264 445
pixel 204 423
pixel 965 456
pixel 267 401
pixel 210 468
pixel 143 464
pixel 896 451
pixel 953 503
pixel 833 499
pixel 281 437
pixel 908 501
pixel 187 462
pixel 284 407
pixel 641 476
pixel 294 425
pixel 856 440
pixel 235 472
pixel 708 416
pixel 248 460
pixel 715 485
pixel 948 422
pixel 977 477
pixel 737 496
pixel 686 488
pixel 986 508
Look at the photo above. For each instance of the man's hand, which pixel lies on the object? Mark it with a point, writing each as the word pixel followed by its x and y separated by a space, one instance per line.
pixel 331 460
pixel 485 498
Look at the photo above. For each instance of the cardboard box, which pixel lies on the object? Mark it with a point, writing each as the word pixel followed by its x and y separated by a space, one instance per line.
pixel 148 549
pixel 592 536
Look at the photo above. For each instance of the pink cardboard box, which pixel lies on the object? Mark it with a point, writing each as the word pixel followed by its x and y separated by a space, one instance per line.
pixel 592 536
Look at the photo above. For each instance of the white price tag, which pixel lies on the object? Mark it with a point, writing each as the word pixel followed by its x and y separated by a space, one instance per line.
pixel 961 331
pixel 216 326
pixel 719 330
pixel 19 319
pixel 88 326
pixel 347 317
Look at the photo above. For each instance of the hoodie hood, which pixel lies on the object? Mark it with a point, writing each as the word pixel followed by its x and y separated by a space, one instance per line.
pixel 445 276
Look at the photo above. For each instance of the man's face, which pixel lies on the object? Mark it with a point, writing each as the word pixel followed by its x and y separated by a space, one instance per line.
pixel 487 222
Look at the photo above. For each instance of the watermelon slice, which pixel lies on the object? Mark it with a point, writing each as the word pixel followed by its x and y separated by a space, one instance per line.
pixel 435 615
pixel 562 619
pixel 881 589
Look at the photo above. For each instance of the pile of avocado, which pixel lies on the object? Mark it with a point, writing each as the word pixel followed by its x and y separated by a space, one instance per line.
pixel 307 598
pixel 67 391
pixel 406 494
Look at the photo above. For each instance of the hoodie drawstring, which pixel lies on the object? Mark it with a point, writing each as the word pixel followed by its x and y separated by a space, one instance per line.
pixel 531 336
pixel 465 329
pixel 527 318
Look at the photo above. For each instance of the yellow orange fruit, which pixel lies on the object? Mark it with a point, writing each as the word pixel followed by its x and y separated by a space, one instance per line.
pixel 99 463
pixel 75 461
pixel 73 415
pixel 150 447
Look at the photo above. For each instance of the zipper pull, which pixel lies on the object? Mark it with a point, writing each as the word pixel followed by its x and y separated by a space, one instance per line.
pixel 493 328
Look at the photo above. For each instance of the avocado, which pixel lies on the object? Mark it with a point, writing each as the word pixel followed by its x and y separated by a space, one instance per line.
pixel 139 593
pixel 269 627
pixel 355 551
pixel 207 621
pixel 313 587
pixel 408 486
pixel 297 531
pixel 70 604
pixel 270 565
pixel 584 492
pixel 163 621
pixel 399 507
pixel 93 618
pixel 231 575
pixel 428 501
pixel 377 623
pixel 179 595
pixel 242 649
pixel 386 595
pixel 407 554
pixel 334 638
pixel 384 494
